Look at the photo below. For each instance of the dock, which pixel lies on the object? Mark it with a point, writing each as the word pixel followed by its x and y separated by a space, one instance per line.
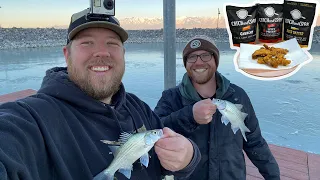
pixel 293 164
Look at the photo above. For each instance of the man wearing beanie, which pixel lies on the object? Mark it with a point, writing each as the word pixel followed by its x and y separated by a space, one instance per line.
pixel 188 110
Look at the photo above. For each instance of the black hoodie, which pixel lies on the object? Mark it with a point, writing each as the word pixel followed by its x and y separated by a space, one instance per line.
pixel 56 133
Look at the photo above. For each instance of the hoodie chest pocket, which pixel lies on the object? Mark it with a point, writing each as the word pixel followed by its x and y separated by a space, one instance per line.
pixel 230 148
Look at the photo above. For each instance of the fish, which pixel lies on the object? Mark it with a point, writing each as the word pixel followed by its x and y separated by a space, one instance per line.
pixel 132 147
pixel 232 113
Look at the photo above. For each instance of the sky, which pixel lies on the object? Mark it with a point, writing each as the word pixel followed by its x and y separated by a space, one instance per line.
pixel 49 13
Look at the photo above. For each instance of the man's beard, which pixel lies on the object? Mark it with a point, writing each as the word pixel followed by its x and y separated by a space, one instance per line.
pixel 203 79
pixel 103 89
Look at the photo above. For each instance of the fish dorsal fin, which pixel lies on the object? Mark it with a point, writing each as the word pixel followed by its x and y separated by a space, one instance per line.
pixel 126 171
pixel 124 136
pixel 239 106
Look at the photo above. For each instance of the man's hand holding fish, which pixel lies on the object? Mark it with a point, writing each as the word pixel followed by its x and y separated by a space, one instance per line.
pixel 174 150
pixel 203 111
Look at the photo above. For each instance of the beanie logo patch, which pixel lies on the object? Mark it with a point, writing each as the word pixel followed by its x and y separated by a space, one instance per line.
pixel 195 44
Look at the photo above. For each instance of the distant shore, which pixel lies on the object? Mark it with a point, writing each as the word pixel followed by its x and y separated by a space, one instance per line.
pixel 12 38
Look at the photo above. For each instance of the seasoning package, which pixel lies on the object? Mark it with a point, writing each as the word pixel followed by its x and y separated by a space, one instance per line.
pixel 242 24
pixel 298 19
pixel 270 20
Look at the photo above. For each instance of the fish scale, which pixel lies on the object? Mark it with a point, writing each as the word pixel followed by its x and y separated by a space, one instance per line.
pixel 233 109
pixel 129 147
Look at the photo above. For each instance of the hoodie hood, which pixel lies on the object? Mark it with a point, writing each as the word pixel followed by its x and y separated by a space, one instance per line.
pixel 57 84
pixel 188 91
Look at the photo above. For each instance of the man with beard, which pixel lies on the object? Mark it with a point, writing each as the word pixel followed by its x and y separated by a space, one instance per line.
pixel 188 109
pixel 57 133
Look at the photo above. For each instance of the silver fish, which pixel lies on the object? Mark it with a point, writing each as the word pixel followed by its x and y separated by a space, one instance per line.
pixel 232 113
pixel 133 147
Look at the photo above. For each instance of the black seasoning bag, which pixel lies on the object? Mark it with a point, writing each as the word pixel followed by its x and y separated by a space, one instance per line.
pixel 270 20
pixel 242 24
pixel 298 19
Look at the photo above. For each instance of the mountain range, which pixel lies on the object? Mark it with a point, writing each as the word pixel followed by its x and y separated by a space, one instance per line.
pixel 134 23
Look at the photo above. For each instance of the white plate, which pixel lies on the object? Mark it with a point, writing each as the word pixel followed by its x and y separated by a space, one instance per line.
pixel 296 54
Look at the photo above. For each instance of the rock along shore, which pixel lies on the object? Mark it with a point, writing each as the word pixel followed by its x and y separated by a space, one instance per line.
pixel 11 38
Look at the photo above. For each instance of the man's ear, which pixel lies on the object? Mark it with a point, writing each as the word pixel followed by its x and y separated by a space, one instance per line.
pixel 66 53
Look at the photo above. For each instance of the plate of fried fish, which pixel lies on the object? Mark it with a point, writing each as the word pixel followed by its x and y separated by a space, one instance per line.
pixel 272 60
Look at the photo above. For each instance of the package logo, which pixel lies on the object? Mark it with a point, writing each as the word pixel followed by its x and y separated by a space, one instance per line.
pixel 270 12
pixel 296 14
pixel 242 14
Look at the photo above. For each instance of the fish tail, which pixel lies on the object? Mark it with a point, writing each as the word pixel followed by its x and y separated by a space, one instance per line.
pixel 104 175
pixel 244 129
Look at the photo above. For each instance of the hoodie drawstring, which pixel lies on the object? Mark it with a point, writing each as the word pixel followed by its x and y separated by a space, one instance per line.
pixel 116 118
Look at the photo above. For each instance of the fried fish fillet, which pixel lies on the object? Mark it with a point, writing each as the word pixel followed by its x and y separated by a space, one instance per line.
pixel 274 61
pixel 262 52
pixel 278 50
pixel 271 56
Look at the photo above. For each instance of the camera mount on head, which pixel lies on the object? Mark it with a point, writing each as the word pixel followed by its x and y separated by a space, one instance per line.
pixel 101 9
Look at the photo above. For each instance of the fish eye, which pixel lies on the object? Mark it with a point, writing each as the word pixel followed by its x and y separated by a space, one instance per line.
pixel 154 132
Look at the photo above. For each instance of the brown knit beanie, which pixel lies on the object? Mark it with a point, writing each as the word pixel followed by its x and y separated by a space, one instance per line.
pixel 201 43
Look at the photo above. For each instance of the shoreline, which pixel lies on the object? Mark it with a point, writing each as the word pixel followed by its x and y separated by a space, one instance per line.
pixel 14 38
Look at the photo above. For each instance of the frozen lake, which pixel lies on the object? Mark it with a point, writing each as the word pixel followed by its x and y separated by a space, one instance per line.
pixel 288 110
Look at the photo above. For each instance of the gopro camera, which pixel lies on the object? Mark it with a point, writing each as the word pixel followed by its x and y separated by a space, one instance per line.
pixel 102 7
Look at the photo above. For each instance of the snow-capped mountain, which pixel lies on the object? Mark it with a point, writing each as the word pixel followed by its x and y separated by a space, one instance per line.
pixel 141 23
pixel 181 22
pixel 134 23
